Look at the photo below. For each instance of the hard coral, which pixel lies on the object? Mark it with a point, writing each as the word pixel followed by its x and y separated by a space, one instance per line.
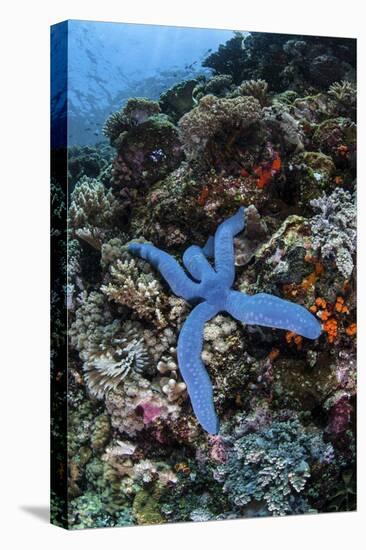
pixel 214 117
pixel 212 289
pixel 334 230
pixel 140 291
pixel 136 111
pixel 141 405
pixel 255 88
pixel 93 206
pixel 146 153
pixel 270 466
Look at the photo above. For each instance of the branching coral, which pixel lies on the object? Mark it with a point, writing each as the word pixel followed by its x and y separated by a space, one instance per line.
pixel 140 291
pixel 343 92
pixel 255 88
pixel 334 229
pixel 271 466
pixel 172 389
pixel 214 116
pixel 92 206
pixel 111 251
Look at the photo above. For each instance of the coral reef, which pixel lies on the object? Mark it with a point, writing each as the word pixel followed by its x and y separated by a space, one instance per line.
pixel 93 210
pixel 271 466
pixel 178 100
pixel 214 292
pixel 213 117
pixel 334 230
pixel 285 61
pixel 136 111
pixel 157 354
pixel 92 162
pixel 255 88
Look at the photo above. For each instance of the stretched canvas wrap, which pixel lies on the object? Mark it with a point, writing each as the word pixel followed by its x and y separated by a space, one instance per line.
pixel 203 274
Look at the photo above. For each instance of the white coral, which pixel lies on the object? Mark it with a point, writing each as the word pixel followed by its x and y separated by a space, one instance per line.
pixel 334 229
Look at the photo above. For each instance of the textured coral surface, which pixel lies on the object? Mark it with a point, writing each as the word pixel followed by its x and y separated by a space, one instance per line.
pixel 272 130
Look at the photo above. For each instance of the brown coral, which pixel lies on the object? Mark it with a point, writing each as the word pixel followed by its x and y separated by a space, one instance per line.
pixel 214 116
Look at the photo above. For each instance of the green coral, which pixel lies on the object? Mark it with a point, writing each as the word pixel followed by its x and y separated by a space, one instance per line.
pixel 178 100
pixel 88 511
pixel 311 173
pixel 136 111
pixel 100 432
pixel 270 466
pixel 146 509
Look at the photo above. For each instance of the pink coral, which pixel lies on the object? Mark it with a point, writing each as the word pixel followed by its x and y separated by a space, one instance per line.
pixel 150 411
pixel 339 416
pixel 218 451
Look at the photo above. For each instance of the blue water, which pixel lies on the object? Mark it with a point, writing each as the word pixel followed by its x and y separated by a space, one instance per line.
pixel 110 62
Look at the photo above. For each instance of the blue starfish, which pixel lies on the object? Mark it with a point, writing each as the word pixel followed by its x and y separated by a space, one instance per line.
pixel 212 288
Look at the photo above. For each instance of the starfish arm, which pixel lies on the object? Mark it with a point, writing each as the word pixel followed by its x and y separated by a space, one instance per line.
pixel 270 311
pixel 192 369
pixel 169 268
pixel 196 262
pixel 224 246
pixel 209 248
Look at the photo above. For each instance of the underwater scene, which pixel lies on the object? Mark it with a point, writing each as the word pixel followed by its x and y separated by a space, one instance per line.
pixel 207 274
